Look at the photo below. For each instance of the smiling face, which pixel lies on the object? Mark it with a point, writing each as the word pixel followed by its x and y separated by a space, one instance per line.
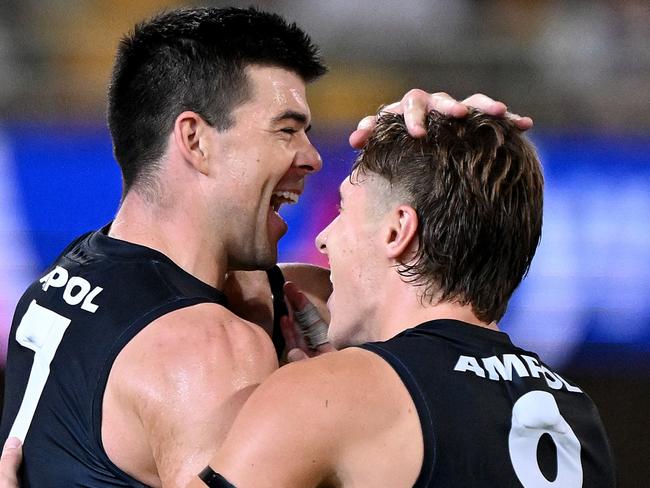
pixel 353 245
pixel 262 163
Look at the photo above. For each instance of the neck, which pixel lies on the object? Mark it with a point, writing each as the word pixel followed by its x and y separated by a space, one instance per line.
pixel 170 230
pixel 412 311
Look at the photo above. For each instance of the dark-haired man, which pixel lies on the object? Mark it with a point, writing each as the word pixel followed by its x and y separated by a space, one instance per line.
pixel 432 238
pixel 123 358
pixel 124 351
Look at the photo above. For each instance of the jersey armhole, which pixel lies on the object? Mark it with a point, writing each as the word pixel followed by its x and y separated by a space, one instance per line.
pixel 424 412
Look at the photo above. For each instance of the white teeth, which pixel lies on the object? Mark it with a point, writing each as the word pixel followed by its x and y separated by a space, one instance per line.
pixel 286 196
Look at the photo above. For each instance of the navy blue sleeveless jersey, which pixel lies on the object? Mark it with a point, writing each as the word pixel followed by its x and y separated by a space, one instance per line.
pixel 68 328
pixel 494 415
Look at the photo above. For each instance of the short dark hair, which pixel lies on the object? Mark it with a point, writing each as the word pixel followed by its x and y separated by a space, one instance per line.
pixel 193 59
pixel 476 185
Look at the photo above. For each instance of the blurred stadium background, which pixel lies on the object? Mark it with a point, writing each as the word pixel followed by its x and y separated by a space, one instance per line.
pixel 581 69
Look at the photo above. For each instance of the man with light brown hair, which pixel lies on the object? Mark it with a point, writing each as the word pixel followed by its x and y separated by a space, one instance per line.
pixel 432 238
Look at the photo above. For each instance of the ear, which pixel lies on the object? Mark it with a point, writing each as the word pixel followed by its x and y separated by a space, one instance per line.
pixel 401 235
pixel 190 136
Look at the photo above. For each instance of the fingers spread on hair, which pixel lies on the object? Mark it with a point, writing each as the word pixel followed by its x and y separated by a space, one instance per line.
pixel 364 129
pixel 522 123
pixel 415 106
pixel 485 104
pixel 446 104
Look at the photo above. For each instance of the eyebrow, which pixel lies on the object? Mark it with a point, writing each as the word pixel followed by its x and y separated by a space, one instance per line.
pixel 299 117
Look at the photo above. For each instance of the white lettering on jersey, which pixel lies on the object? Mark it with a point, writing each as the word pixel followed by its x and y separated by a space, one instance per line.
pixel 77 290
pixel 502 368
pixel 498 369
pixel 468 363
pixel 535 369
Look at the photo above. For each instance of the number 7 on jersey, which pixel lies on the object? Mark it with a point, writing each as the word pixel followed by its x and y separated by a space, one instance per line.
pixel 40 330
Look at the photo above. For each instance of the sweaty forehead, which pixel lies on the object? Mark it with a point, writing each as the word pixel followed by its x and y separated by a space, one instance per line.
pixel 277 90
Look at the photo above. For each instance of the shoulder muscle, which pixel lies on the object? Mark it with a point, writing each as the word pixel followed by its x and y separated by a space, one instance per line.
pixel 184 377
pixel 319 415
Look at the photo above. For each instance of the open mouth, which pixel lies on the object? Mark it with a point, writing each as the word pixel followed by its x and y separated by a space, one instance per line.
pixel 281 197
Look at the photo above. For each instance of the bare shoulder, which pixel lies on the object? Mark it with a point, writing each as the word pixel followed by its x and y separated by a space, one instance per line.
pixel 343 414
pixel 200 347
pixel 207 333
pixel 338 382
pixel 175 389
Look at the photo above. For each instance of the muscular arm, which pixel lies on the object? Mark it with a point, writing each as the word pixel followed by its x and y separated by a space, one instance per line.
pixel 336 420
pixel 175 389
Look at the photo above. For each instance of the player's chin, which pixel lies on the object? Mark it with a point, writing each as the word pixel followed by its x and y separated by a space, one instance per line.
pixel 267 257
pixel 266 262
pixel 260 258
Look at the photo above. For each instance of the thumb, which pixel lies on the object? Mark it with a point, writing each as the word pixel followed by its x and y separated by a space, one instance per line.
pixel 296 354
pixel 12 448
pixel 297 299
pixel 12 456
pixel 306 316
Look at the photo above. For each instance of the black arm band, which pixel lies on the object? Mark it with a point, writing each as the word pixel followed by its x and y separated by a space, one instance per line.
pixel 276 280
pixel 214 480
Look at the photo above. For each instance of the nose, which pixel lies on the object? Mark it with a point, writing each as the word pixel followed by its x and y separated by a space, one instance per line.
pixel 308 158
pixel 321 240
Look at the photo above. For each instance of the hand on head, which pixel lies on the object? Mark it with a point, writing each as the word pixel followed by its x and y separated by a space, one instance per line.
pixel 417 103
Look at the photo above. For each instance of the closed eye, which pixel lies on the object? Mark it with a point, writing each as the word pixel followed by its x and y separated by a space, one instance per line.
pixel 289 130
